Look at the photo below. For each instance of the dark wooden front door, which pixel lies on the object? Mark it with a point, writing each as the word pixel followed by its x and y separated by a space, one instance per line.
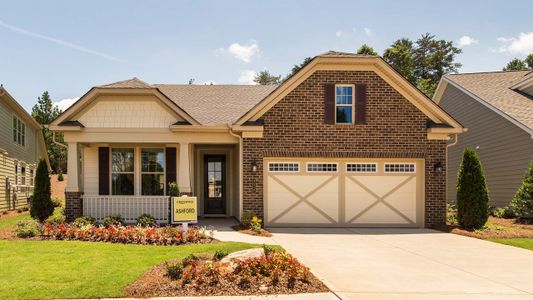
pixel 215 184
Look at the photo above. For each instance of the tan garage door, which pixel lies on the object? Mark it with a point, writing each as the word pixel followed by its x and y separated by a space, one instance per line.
pixel 343 193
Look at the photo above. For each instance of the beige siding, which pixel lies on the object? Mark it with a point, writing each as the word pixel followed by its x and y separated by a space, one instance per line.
pixel 7 170
pixel 504 149
pixel 127 112
pixel 28 153
pixel 90 168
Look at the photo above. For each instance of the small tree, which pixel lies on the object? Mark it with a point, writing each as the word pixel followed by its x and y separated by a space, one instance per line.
pixel 366 50
pixel 472 192
pixel 522 203
pixel 41 206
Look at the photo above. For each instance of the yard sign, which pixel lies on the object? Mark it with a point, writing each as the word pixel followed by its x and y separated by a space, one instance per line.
pixel 184 210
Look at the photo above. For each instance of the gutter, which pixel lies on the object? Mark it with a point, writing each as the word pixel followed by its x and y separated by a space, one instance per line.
pixel 230 130
pixel 456 139
pixel 54 139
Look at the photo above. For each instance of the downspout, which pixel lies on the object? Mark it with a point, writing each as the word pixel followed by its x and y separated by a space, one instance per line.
pixel 56 142
pixel 456 139
pixel 240 168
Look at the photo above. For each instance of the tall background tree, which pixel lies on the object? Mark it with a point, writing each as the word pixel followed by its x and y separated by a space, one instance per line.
pixel 44 112
pixel 265 78
pixel 367 50
pixel 400 56
pixel 517 64
pixel 297 68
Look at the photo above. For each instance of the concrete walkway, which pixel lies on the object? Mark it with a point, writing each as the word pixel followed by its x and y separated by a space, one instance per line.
pixel 223 232
pixel 410 264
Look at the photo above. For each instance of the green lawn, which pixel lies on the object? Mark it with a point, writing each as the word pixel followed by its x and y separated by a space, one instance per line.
pixel 526 243
pixel 12 220
pixel 69 269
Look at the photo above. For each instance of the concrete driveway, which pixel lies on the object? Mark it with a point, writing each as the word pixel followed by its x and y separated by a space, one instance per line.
pixel 410 264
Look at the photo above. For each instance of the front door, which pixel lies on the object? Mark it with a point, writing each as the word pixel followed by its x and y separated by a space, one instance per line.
pixel 215 184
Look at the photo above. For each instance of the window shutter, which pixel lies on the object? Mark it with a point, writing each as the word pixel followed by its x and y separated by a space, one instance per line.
pixel 329 102
pixel 103 170
pixel 360 104
pixel 170 165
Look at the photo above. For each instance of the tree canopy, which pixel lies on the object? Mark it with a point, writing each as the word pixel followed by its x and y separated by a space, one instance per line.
pixel 367 50
pixel 517 64
pixel 265 78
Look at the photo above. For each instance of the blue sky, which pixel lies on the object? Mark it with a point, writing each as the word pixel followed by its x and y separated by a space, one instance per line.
pixel 66 47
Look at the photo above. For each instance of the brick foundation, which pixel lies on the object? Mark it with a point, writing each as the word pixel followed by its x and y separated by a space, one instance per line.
pixel 73 205
pixel 395 128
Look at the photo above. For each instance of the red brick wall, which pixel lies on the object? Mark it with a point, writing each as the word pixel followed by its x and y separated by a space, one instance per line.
pixel 73 205
pixel 295 127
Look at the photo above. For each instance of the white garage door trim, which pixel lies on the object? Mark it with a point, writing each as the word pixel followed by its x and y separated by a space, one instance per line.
pixel 306 191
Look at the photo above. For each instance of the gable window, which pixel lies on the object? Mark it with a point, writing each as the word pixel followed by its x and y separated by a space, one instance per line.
pixel 19 131
pixel 153 171
pixel 122 171
pixel 344 108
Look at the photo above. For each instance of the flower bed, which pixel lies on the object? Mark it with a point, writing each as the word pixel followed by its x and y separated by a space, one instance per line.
pixel 275 273
pixel 126 234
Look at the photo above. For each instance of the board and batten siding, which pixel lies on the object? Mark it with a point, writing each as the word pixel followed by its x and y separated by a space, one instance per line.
pixel 504 149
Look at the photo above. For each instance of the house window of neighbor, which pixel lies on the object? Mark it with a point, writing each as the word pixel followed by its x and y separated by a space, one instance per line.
pixel 31 177
pixel 344 104
pixel 122 171
pixel 19 131
pixel 153 171
pixel 16 173
pixel 23 175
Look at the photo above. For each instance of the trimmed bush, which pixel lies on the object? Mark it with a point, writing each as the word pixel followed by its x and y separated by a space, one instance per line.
pixel 27 228
pixel 174 271
pixel 220 254
pixel 189 259
pixel 84 221
pixel 522 203
pixel 472 192
pixel 58 217
pixel 146 220
pixel 115 220
pixel 173 190
pixel 41 206
pixel 246 218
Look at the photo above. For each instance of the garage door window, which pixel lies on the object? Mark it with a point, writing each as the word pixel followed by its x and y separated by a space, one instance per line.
pixel 361 167
pixel 399 168
pixel 322 167
pixel 283 167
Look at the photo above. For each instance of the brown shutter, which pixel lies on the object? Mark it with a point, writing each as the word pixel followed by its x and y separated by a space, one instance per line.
pixel 170 165
pixel 103 170
pixel 329 104
pixel 360 104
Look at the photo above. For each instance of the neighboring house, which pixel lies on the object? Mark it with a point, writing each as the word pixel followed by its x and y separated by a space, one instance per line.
pixel 497 109
pixel 21 147
pixel 346 141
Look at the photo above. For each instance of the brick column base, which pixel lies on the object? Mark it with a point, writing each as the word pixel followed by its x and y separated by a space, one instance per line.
pixel 73 205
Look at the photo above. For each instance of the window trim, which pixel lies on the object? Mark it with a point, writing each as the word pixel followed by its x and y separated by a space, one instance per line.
pixel 111 170
pixel 399 163
pixel 325 163
pixel 141 173
pixel 351 105
pixel 362 163
pixel 283 162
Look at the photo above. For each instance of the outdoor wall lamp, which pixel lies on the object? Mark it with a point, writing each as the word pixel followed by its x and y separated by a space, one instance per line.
pixel 254 166
pixel 438 167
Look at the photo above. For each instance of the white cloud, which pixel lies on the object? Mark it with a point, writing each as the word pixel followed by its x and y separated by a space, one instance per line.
pixel 466 40
pixel 523 44
pixel 243 52
pixel 338 34
pixel 247 77
pixel 368 31
pixel 58 41
pixel 65 103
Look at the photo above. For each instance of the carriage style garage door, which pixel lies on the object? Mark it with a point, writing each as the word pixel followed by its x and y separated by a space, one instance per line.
pixel 343 192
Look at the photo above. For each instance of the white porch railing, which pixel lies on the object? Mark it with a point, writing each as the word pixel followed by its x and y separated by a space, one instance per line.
pixel 128 207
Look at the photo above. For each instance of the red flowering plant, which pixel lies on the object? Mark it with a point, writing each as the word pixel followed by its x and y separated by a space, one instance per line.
pixel 125 234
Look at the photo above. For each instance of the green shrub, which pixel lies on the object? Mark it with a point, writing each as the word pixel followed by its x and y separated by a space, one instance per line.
pixel 41 205
pixel 146 220
pixel 173 190
pixel 522 203
pixel 60 176
pixel 114 219
pixel 451 213
pixel 255 224
pixel 246 218
pixel 268 249
pixel 84 221
pixel 58 217
pixel 28 228
pixel 508 212
pixel 174 271
pixel 57 202
pixel 189 259
pixel 497 212
pixel 220 254
pixel 472 192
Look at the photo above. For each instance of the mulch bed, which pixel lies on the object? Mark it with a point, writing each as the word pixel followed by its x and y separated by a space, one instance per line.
pixel 245 230
pixel 155 283
pixel 519 230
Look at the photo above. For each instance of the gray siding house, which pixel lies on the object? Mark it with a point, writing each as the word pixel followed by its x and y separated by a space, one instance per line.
pixel 21 147
pixel 497 109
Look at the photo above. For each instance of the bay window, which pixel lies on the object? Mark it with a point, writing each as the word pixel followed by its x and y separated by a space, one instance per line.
pixel 122 171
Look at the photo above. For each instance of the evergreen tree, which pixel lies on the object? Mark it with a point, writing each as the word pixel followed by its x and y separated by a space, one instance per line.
pixel 297 68
pixel 265 78
pixel 472 192
pixel 515 65
pixel 367 50
pixel 529 61
pixel 41 205
pixel 522 203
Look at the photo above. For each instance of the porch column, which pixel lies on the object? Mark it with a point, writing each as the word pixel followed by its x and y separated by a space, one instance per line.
pixel 184 180
pixel 72 168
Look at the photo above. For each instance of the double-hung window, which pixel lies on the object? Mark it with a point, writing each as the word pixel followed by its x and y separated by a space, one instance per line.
pixel 122 171
pixel 153 171
pixel 344 108
pixel 19 131
pixel 23 175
